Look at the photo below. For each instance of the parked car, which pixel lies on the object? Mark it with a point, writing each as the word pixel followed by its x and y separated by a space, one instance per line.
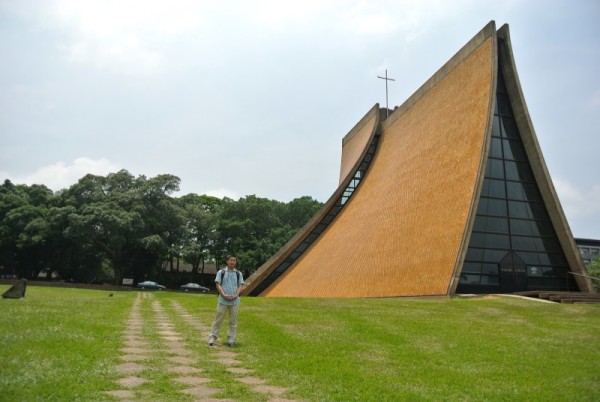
pixel 193 287
pixel 150 285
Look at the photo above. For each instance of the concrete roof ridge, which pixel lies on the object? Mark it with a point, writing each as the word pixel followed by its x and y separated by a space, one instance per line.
pixel 442 72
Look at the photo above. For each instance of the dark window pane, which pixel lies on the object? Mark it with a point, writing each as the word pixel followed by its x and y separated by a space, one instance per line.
pixel 496 127
pixel 497 241
pixel 489 280
pixel 504 104
pixel 473 267
pixel 539 212
pixel 469 279
pixel 501 86
pixel 477 240
pixel 474 254
pixel 493 188
pixel 493 255
pixel 479 224
pixel 487 268
pixel 515 191
pixel 556 259
pixel 518 171
pixel 494 169
pixel 522 191
pixel 497 225
pixel 490 206
pixel 549 245
pixel 553 283
pixel 496 148
pixel 522 227
pixel 490 224
pixel 543 228
pixel 529 258
pixel 489 240
pixel 554 271
pixel 509 128
pixel 531 192
pixel 524 243
pixel 513 150
pixel 518 210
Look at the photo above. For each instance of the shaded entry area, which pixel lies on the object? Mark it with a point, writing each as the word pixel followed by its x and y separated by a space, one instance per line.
pixel 513 273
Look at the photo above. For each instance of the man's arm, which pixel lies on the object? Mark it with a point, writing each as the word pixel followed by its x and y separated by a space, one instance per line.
pixel 239 290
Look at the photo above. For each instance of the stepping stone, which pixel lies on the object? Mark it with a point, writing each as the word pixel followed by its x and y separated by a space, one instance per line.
pixel 200 391
pixel 269 389
pixel 239 370
pixel 135 351
pixel 131 382
pixel 192 380
pixel 251 380
pixel 168 333
pixel 173 338
pixel 228 361
pixel 216 400
pixel 180 352
pixel 130 367
pixel 184 370
pixel 181 360
pixel 225 354
pixel 133 358
pixel 121 393
pixel 136 344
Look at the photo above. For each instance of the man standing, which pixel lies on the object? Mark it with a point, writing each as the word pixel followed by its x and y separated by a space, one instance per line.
pixel 229 283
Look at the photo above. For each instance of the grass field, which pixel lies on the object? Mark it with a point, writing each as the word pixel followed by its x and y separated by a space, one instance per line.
pixel 63 344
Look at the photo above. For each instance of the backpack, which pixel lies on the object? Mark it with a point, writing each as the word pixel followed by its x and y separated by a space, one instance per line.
pixel 223 270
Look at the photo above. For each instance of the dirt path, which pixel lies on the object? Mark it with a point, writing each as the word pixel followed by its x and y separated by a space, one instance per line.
pixel 154 350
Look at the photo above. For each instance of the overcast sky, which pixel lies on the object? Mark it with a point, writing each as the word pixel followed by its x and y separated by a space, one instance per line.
pixel 254 97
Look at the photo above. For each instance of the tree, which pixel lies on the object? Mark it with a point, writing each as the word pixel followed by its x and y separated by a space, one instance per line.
pixel 25 243
pixel 200 215
pixel 131 221
pixel 254 228
pixel 594 271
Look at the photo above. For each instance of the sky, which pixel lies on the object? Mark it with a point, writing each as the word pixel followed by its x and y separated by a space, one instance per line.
pixel 254 97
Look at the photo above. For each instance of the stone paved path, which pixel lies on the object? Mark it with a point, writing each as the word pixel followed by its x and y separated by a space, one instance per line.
pixel 155 348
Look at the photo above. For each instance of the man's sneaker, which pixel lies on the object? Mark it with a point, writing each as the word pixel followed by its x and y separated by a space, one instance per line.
pixel 230 343
pixel 211 342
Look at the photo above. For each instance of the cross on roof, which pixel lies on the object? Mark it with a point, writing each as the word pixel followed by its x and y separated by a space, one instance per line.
pixel 387 109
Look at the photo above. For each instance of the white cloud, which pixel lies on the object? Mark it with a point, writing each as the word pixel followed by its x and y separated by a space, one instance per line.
pixel 124 36
pixel 61 175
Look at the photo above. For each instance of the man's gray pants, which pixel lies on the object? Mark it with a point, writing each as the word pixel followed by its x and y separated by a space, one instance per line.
pixel 233 323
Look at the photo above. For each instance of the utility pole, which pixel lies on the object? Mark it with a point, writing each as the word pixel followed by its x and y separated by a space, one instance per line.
pixel 387 108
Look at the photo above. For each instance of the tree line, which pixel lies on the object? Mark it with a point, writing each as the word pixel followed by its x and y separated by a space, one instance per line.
pixel 120 226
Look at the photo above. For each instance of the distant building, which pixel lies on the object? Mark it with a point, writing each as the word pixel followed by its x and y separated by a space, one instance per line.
pixel 589 249
pixel 448 194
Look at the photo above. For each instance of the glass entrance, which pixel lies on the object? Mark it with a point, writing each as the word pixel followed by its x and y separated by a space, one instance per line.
pixel 513 273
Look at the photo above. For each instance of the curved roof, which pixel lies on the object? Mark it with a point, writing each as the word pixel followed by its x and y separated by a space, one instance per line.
pixel 400 221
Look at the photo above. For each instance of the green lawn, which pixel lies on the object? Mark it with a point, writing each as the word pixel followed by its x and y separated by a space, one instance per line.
pixel 63 344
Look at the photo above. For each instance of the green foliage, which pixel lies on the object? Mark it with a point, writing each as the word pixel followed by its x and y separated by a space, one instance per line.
pixel 66 343
pixel 594 271
pixel 134 226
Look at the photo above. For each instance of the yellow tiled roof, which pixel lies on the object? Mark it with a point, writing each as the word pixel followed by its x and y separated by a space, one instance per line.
pixel 402 230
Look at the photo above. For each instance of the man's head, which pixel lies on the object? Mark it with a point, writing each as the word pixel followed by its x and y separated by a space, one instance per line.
pixel 231 261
